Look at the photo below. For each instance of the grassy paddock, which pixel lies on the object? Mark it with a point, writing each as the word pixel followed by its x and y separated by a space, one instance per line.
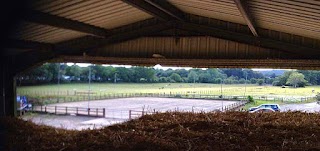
pixel 215 89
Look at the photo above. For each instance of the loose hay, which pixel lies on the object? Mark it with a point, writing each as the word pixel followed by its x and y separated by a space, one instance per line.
pixel 177 131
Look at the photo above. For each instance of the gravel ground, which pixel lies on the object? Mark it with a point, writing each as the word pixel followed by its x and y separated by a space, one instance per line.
pixel 307 107
pixel 117 111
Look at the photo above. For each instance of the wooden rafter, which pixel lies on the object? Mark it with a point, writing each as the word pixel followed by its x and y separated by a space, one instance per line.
pixel 61 22
pixel 246 15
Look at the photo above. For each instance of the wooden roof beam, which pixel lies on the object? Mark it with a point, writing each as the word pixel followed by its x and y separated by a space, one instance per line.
pixel 61 22
pixel 248 39
pixel 151 9
pixel 243 9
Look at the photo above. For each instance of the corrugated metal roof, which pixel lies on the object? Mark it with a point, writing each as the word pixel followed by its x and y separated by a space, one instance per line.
pixel 223 9
pixel 296 17
pixel 102 13
pixel 289 16
pixel 42 33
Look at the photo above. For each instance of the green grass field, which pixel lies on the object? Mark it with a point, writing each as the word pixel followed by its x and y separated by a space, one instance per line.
pixel 215 89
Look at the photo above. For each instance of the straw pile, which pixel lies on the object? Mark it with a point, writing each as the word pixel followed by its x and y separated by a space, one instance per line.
pixel 177 131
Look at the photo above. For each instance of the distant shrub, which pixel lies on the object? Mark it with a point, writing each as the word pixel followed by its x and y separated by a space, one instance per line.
pixel 260 81
pixel 178 96
pixel 250 99
pixel 318 97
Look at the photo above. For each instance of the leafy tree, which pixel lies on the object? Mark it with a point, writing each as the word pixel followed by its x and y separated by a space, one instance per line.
pixel 193 76
pixel 242 81
pixel 253 81
pixel 124 74
pixel 163 79
pixel 218 80
pixel 175 77
pixel 74 72
pixel 296 79
pixel 205 78
pixel 260 81
pixel 313 77
pixel 182 72
pixel 282 80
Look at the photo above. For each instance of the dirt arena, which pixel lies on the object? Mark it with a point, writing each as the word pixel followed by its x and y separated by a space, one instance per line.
pixel 117 110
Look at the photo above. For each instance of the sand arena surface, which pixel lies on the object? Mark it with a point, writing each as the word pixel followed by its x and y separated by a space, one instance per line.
pixel 117 110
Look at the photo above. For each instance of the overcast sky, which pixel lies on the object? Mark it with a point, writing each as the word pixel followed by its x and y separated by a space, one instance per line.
pixel 161 67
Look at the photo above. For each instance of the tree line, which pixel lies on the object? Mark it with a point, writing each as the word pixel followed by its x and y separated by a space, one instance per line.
pixel 55 72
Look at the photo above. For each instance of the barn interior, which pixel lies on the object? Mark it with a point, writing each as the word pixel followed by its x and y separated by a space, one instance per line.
pixel 188 33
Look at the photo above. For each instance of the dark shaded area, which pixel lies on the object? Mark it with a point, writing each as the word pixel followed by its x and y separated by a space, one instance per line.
pixel 177 131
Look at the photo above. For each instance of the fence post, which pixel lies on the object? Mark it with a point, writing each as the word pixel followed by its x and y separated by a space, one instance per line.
pixel 66 110
pixel 45 109
pixel 77 111
pixel 96 111
pixel 88 111
pixel 104 112
pixel 129 114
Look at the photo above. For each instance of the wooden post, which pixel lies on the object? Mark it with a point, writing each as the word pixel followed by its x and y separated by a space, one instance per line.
pixel 129 114
pixel 45 109
pixel 104 112
pixel 96 111
pixel 66 110
pixel 77 111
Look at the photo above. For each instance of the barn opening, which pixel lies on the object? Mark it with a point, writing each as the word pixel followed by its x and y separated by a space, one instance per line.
pixel 201 34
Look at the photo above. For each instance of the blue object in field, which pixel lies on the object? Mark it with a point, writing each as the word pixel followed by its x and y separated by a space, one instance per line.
pixel 274 107
pixel 23 102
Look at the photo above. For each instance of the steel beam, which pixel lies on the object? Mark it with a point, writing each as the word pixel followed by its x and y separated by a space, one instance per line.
pixel 243 9
pixel 248 39
pixel 150 9
pixel 168 8
pixel 61 22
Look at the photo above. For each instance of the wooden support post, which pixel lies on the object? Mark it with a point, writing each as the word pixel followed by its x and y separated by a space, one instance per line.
pixel 129 114
pixel 89 111
pixel 8 102
pixel 104 112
